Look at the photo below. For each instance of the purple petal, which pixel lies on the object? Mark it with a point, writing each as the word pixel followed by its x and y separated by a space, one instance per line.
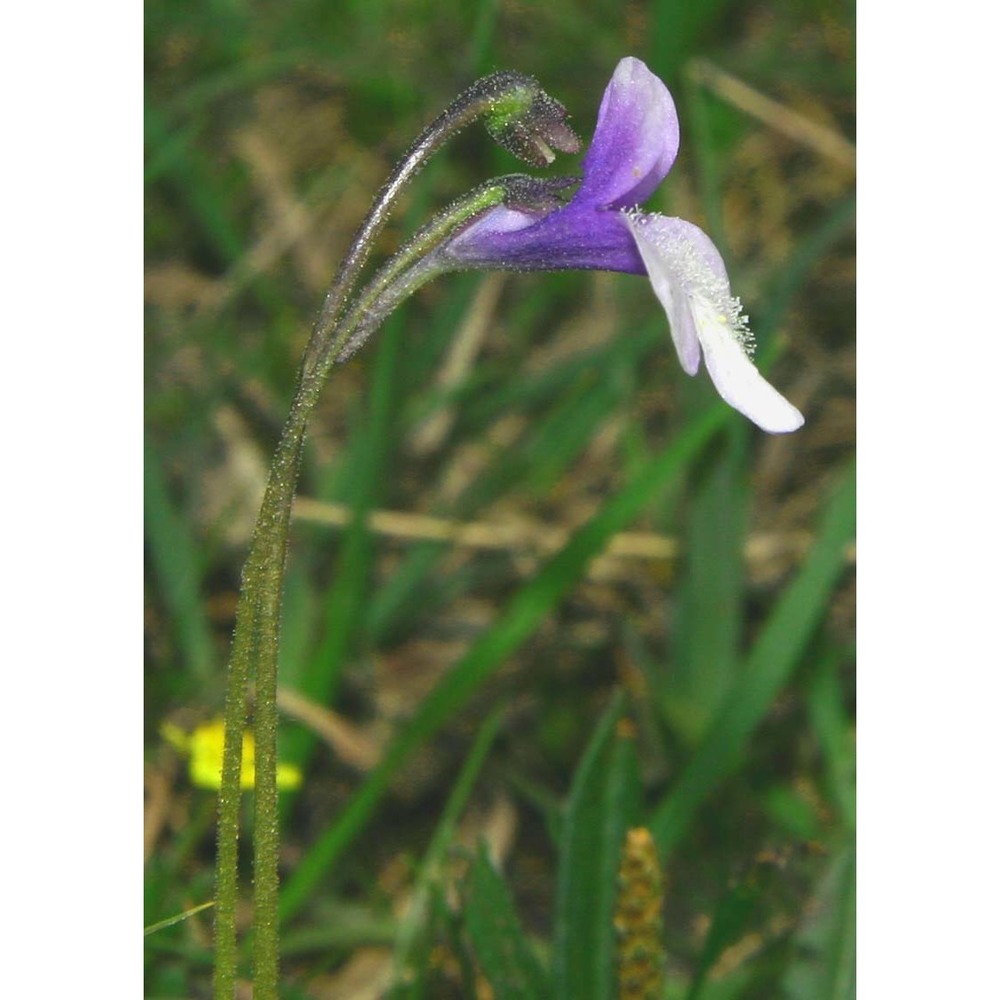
pixel 635 141
pixel 575 237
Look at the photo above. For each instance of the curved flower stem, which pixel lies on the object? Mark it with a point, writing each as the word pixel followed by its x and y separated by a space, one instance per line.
pixel 273 524
pixel 406 271
pixel 521 117
pixel 504 98
pixel 255 655
pixel 255 641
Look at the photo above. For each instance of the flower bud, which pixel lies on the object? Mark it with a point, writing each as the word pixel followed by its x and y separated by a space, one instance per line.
pixel 526 121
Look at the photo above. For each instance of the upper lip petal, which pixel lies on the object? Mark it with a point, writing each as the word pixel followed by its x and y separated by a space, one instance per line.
pixel 635 141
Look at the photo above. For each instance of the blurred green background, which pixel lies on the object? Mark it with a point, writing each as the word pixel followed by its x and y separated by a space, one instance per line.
pixel 695 678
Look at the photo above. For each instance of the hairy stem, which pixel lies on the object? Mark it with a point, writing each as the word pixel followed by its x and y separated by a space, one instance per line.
pixel 524 119
pixel 255 641
pixel 405 272
pixel 255 655
pixel 494 93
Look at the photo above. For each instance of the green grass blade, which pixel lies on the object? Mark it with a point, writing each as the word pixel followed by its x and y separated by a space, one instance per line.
pixel 603 803
pixel 430 871
pixel 191 178
pixel 710 605
pixel 676 31
pixel 823 968
pixel 175 561
pixel 556 439
pixel 480 55
pixel 177 918
pixel 842 943
pixel 710 135
pixel 417 589
pixel 503 951
pixel 835 226
pixel 834 733
pixel 728 923
pixel 522 616
pixel 770 664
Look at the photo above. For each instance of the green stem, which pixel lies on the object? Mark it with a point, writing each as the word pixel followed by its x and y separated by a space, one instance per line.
pixel 418 261
pixel 255 641
pixel 255 654
pixel 276 513
pixel 406 271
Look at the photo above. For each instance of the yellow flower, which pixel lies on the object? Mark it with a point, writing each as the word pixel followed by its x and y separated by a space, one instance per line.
pixel 204 746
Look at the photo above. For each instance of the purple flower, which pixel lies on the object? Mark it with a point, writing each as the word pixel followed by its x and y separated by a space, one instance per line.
pixel 601 228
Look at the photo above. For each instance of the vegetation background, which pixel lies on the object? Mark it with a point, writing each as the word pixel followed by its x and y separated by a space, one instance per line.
pixel 696 678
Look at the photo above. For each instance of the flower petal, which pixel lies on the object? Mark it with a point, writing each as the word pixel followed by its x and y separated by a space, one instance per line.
pixel 635 141
pixel 736 378
pixel 572 237
pixel 653 235
pixel 690 280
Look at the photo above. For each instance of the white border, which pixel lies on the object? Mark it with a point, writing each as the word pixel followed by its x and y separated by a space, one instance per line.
pixel 928 335
pixel 71 743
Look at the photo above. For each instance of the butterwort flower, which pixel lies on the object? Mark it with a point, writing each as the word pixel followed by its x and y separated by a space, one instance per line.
pixel 601 228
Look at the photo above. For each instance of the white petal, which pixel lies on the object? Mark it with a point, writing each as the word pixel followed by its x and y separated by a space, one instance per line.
pixel 734 375
pixel 690 280
pixel 668 285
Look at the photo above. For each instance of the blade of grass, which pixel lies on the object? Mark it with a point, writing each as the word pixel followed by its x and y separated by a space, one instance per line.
pixel 522 616
pixel 841 948
pixel 554 441
pixel 194 183
pixel 676 30
pixel 480 55
pixel 169 150
pixel 242 77
pixel 770 664
pixel 830 723
pixel 485 404
pixel 603 803
pixel 709 150
pixel 710 602
pixel 824 966
pixel 174 557
pixel 339 927
pixel 176 918
pixel 431 870
pixel 506 958
pixel 728 923
pixel 417 589
pixel 809 251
